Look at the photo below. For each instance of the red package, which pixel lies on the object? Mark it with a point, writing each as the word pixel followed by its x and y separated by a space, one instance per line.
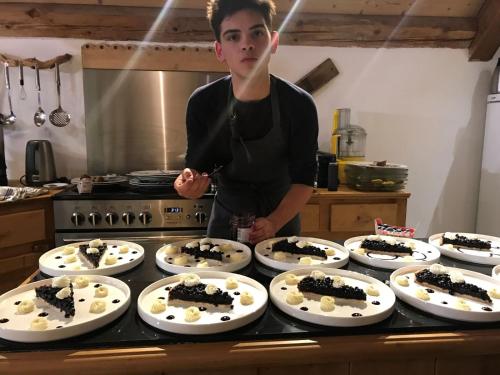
pixel 392 230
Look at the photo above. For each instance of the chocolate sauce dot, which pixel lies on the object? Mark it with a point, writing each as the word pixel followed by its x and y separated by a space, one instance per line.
pixel 429 252
pixel 42 314
pixel 130 260
pixel 111 254
pixel 225 318
pixel 197 260
pixel 134 252
pixel 116 301
pixel 169 262
pixel 58 257
pixel 356 314
pixel 375 303
pixel 97 285
pixel 266 255
pixel 81 300
pixel 444 303
pixel 239 251
pixel 170 317
pixel 168 288
pixel 114 246
pixel 298 258
pixel 202 308
pixel 228 256
pixel 283 288
pixel 4 320
pixel 59 326
pixel 161 297
pixel 232 306
pixel 236 293
pixel 486 308
pixel 120 258
pixel 62 266
pixel 336 258
pixel 187 265
pixel 17 303
pixel 429 290
pixel 303 308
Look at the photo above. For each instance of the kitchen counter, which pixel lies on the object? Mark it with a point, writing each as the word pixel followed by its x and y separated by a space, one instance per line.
pixel 275 339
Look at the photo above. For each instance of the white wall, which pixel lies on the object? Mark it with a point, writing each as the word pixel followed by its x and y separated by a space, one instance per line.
pixel 421 107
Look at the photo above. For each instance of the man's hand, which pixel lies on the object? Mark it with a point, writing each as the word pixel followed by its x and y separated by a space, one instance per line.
pixel 262 229
pixel 191 184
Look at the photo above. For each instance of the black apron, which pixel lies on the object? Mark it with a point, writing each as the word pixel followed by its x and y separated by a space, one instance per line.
pixel 257 178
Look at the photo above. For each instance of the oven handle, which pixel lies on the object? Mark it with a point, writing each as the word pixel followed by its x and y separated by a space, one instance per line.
pixel 169 239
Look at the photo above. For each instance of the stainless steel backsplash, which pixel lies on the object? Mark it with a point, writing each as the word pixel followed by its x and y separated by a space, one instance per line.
pixel 136 120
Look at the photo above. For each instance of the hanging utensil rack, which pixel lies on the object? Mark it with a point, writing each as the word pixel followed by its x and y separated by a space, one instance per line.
pixel 13 61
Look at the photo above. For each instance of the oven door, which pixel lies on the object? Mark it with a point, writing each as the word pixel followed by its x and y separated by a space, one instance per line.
pixel 137 237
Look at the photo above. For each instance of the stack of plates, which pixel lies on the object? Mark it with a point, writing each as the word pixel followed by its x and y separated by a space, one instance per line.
pixel 369 177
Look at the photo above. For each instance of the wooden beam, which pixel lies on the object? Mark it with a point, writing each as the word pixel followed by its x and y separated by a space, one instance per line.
pixel 190 25
pixel 441 8
pixel 487 40
pixel 121 56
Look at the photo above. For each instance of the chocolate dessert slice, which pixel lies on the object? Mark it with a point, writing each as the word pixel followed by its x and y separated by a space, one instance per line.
pixel 93 257
pixel 48 294
pixel 463 241
pixel 380 246
pixel 294 247
pixel 444 283
pixel 197 252
pixel 197 293
pixel 327 287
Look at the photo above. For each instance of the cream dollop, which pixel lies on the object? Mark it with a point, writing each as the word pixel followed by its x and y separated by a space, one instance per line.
pixel 97 307
pixel 101 292
pixel 337 281
pixel 403 281
pixel 61 282
pixel 211 289
pixel 192 314
pixel 123 249
pixel 81 282
pixel 301 244
pixel 171 249
pixel 68 250
pixel 279 255
pixel 158 306
pixel 204 247
pixel 291 279
pixel 95 243
pixel 181 260
pixel 327 303
pixel 318 275
pixel 359 251
pixel 203 264
pixel 246 298
pixel 292 239
pixel 305 261
pixel 372 291
pixel 205 241
pixel 25 307
pixel 110 260
pixel 39 324
pixel 330 251
pixel 70 259
pixel 63 293
pixel 462 305
pixel 192 244
pixel 438 269
pixel 92 250
pixel 190 279
pixel 294 298
pixel 456 277
pixel 422 294
pixel 231 283
pixel 226 247
pixel 494 293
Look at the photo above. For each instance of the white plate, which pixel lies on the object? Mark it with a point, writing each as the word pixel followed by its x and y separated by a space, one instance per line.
pixel 435 304
pixel 342 315
pixel 50 262
pixel 495 272
pixel 264 255
pixel 490 257
pixel 210 322
pixel 166 262
pixel 423 254
pixel 55 185
pixel 18 326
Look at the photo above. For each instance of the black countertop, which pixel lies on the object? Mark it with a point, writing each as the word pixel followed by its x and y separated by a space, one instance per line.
pixel 129 330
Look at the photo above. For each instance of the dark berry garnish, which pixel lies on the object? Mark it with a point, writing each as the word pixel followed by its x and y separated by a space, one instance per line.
pixel 356 314
pixel 236 293
pixel 43 314
pixel 62 266
pixel 170 317
pixel 116 301
pixel 375 303
pixel 203 308
pixel 4 320
pixel 283 288
pixel 81 300
pixel 97 285
pixel 225 318
pixel 17 303
pixel 486 308
pixel 303 308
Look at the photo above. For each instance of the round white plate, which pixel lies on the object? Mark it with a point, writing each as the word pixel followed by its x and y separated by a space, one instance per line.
pixel 50 262
pixel 495 272
pixel 18 326
pixel 342 315
pixel 423 254
pixel 264 254
pixel 166 261
pixel 490 257
pixel 443 304
pixel 55 185
pixel 210 321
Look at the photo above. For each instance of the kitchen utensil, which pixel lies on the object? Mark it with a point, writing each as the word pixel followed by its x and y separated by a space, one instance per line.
pixel 9 119
pixel 40 166
pixel 22 91
pixel 318 77
pixel 40 116
pixel 58 117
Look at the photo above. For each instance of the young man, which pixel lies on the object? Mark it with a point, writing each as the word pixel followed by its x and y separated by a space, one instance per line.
pixel 260 129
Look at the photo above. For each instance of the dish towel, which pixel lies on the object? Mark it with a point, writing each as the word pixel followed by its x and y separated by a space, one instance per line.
pixel 12 194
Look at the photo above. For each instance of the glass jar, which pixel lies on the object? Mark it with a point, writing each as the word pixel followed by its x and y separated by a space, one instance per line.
pixel 241 226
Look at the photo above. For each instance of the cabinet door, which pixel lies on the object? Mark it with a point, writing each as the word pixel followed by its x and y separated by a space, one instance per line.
pixel 309 217
pixel 22 228
pixel 359 217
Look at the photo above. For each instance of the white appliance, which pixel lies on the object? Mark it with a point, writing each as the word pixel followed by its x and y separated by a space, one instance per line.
pixel 488 213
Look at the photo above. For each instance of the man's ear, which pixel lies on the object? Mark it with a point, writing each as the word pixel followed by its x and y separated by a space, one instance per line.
pixel 275 38
pixel 218 52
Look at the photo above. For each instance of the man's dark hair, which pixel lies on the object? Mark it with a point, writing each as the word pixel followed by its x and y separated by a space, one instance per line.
pixel 217 10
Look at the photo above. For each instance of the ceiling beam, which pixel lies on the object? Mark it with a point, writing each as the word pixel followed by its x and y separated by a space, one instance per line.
pixel 190 25
pixel 487 40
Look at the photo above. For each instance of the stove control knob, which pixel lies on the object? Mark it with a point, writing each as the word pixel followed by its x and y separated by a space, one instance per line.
pixel 200 217
pixel 95 218
pixel 128 217
pixel 111 218
pixel 145 217
pixel 77 219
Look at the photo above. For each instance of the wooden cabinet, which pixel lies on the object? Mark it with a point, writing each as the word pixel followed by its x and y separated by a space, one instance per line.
pixel 26 231
pixel 338 215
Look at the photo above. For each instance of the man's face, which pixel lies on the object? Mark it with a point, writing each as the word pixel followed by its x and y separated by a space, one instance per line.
pixel 246 43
